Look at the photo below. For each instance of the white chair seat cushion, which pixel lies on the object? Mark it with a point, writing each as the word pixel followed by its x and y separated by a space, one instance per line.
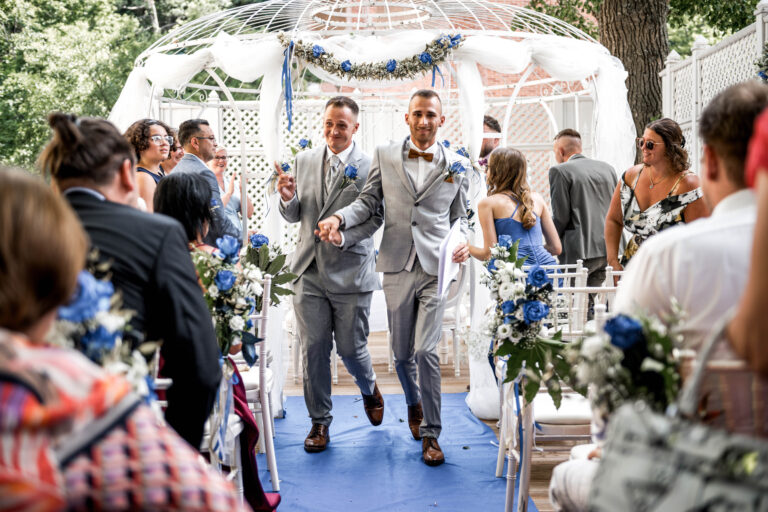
pixel 574 410
pixel 251 382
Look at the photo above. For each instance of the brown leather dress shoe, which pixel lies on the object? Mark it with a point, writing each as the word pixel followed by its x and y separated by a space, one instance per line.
pixel 317 439
pixel 415 415
pixel 374 406
pixel 431 452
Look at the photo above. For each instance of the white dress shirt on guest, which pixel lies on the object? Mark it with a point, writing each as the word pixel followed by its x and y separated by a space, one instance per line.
pixel 704 265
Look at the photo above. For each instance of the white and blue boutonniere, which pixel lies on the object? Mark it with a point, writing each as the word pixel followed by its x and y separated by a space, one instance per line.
pixel 350 175
pixel 455 169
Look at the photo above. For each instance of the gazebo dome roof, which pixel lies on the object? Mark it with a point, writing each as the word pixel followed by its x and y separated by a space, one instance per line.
pixel 334 17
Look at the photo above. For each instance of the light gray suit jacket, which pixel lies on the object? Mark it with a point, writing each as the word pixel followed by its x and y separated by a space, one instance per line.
pixel 581 191
pixel 412 218
pixel 346 269
pixel 221 225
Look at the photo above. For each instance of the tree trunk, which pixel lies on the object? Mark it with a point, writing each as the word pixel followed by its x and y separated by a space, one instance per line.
pixel 635 31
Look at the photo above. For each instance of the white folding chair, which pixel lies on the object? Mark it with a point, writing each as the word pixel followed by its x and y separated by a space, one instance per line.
pixel 258 382
pixel 454 319
pixel 610 274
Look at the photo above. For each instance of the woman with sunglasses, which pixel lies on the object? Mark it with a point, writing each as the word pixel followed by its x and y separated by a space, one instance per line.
pixel 654 195
pixel 176 153
pixel 152 143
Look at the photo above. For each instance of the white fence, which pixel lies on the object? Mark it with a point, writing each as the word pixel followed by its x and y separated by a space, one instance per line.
pixel 688 85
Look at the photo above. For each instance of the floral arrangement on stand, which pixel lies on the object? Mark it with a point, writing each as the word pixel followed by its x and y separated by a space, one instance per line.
pixel 95 323
pixel 762 65
pixel 434 54
pixel 631 359
pixel 516 323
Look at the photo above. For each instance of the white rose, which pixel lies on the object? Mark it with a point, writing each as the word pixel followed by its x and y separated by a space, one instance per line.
pixel 504 276
pixel 110 322
pixel 506 291
pixel 236 323
pixel 518 273
pixel 213 291
pixel 592 346
pixel 503 331
pixel 519 289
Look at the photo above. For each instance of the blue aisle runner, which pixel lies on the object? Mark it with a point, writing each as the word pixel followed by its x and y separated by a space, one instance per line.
pixel 371 469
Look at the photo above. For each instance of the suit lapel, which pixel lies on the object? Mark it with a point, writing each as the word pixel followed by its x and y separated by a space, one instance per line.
pixel 436 176
pixel 397 151
pixel 335 190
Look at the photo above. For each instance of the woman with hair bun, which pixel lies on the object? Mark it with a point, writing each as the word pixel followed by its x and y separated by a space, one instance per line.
pixel 653 195
pixel 512 209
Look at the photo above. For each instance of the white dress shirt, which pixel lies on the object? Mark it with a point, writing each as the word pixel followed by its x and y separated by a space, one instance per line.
pixel 704 265
pixel 419 168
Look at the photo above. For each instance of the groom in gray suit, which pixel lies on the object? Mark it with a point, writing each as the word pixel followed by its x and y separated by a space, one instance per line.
pixel 580 190
pixel 424 187
pixel 336 282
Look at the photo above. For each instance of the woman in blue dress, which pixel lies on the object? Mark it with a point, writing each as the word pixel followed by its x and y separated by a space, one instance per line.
pixel 512 209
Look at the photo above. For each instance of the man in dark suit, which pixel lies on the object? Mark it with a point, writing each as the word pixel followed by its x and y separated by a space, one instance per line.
pixel 149 263
pixel 199 144
pixel 580 190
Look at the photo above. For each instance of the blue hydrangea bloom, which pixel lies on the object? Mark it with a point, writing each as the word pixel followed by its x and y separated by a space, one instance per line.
pixel 91 297
pixel 425 58
pixel 229 247
pixel 350 171
pixel 317 50
pixel 96 342
pixel 224 280
pixel 505 241
pixel 257 240
pixel 455 40
pixel 534 310
pixel 391 65
pixel 624 331
pixel 303 143
pixel 537 276
pixel 346 66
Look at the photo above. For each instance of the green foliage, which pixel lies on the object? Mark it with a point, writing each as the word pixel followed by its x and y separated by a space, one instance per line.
pixel 571 11
pixel 681 36
pixel 762 65
pixel 723 16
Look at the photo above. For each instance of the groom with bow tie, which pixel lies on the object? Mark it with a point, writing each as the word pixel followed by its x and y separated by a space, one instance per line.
pixel 336 281
pixel 424 187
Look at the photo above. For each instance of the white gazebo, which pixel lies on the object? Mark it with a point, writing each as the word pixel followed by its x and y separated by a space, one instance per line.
pixel 255 70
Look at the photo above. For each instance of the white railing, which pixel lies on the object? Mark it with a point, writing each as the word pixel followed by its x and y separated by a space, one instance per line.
pixel 688 85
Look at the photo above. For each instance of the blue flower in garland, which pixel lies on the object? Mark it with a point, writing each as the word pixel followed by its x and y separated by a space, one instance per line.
pixel 455 40
pixel 257 240
pixel 624 331
pixel 534 310
pixel 463 152
pixel 391 65
pixel 303 143
pixel 346 66
pixel 285 167
pixel 224 280
pixel 317 51
pixel 446 143
pixel 505 241
pixel 425 58
pixel 91 297
pixel 229 247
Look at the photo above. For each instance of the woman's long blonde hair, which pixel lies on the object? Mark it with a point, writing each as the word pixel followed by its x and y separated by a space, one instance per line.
pixel 507 175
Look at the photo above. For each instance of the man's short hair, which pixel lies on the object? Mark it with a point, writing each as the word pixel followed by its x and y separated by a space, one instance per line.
pixel 343 101
pixel 727 122
pixel 492 123
pixel 426 93
pixel 568 132
pixel 189 129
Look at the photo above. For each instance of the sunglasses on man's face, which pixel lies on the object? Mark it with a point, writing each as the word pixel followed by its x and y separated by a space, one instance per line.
pixel 649 144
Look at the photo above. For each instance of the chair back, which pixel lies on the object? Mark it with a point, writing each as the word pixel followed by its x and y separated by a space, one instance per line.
pixel 610 274
pixel 571 308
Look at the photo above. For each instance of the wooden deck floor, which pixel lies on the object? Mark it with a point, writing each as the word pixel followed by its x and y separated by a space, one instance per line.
pixel 543 462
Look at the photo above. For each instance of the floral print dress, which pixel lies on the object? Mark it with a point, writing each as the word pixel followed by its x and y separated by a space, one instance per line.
pixel 657 217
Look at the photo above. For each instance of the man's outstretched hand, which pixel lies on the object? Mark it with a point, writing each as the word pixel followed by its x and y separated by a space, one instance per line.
pixel 286 184
pixel 328 230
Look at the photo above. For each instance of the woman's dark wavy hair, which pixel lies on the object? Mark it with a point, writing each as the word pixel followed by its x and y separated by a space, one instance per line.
pixel 672 135
pixel 187 198
pixel 138 134
pixel 88 148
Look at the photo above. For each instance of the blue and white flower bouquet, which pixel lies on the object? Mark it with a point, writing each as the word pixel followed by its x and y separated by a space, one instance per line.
pixel 269 259
pixel 517 322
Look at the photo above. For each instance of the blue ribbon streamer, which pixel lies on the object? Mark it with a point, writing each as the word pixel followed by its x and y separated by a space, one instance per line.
pixel 287 88
pixel 437 69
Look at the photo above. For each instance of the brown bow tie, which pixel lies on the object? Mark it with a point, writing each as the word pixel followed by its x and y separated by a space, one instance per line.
pixel 412 153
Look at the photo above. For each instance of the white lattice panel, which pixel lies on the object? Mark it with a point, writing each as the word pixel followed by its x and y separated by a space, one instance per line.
pixel 683 92
pixel 730 64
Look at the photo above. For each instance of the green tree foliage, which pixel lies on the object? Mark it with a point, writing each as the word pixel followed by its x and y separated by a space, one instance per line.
pixel 724 16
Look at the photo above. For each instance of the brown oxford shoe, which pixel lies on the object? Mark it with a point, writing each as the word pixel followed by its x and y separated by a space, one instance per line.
pixel 415 415
pixel 317 439
pixel 431 452
pixel 374 406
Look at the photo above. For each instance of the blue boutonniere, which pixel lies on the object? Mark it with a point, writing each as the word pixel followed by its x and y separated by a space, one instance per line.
pixel 350 175
pixel 456 169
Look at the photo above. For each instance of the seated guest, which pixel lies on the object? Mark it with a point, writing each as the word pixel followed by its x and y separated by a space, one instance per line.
pixel 77 438
pixel 747 330
pixel 230 193
pixel 148 259
pixel 701 264
pixel 654 195
pixel 151 142
pixel 199 144
pixel 174 155
pixel 512 209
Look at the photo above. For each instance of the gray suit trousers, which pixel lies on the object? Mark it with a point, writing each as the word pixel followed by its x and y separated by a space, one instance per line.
pixel 320 316
pixel 415 315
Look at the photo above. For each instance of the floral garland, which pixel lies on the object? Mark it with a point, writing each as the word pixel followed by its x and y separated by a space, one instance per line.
pixel 435 53
pixel 762 65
